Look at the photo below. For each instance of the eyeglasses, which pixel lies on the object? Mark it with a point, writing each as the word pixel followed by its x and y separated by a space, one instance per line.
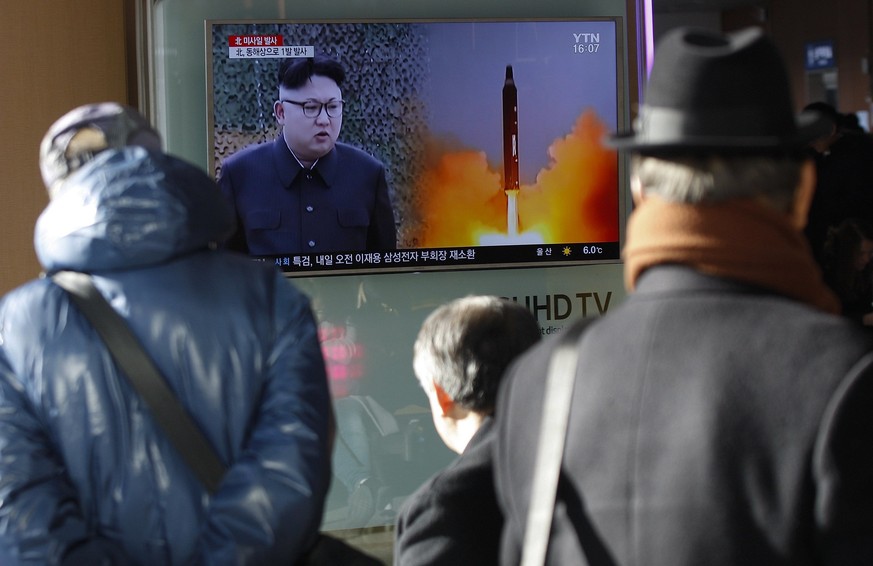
pixel 312 108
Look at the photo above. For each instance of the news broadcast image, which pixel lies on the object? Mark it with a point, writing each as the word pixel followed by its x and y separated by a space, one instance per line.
pixel 490 131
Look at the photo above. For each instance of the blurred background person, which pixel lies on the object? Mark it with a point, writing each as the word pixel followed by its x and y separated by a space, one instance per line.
pixel 846 266
pixel 844 177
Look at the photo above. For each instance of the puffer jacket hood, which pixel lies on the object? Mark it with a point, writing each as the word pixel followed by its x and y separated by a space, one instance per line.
pixel 128 208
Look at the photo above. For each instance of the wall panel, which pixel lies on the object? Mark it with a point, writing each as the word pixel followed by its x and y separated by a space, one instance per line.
pixel 56 55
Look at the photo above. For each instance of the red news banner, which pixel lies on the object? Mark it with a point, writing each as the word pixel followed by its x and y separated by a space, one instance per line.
pixel 266 46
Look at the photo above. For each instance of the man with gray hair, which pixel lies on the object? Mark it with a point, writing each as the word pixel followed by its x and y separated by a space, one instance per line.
pixel 460 355
pixel 721 415
pixel 87 475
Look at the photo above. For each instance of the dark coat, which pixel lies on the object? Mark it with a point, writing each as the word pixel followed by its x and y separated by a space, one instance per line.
pixel 711 423
pixel 85 470
pixel 844 177
pixel 341 205
pixel 453 519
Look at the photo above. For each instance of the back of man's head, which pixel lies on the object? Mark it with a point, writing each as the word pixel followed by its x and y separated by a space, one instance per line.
pixel 466 345
pixel 80 134
pixel 720 106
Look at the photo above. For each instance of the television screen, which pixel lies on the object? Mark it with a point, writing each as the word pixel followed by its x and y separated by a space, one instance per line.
pixel 487 135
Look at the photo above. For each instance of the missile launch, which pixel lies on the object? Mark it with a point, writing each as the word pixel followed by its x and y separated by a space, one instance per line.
pixel 510 132
pixel 510 150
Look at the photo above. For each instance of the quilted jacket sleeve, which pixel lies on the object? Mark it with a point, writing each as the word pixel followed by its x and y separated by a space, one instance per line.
pixel 40 518
pixel 269 506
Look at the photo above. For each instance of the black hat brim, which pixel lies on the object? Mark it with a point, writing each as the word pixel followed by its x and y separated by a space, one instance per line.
pixel 810 126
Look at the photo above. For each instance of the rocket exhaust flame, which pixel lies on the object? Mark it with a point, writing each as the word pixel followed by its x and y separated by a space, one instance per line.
pixel 464 202
pixel 512 213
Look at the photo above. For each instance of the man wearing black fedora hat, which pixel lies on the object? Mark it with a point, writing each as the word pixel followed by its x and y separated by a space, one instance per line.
pixel 722 415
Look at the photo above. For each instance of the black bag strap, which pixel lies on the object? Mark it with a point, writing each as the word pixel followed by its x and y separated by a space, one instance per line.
pixel 145 378
pixel 550 446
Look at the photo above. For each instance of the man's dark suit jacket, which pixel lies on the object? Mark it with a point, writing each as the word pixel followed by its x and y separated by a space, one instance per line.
pixel 453 519
pixel 711 423
pixel 340 205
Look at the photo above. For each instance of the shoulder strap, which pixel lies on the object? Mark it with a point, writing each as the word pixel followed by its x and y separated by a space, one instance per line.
pixel 550 446
pixel 145 378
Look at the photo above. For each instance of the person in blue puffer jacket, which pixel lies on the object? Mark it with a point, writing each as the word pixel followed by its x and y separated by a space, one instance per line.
pixel 86 476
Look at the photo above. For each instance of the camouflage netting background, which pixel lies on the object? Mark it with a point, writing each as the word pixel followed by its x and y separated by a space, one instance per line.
pixel 386 69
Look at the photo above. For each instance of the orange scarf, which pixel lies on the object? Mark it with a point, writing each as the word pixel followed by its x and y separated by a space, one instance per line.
pixel 738 239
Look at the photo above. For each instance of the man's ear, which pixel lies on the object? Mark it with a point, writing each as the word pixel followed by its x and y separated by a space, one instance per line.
pixel 803 195
pixel 636 188
pixel 445 402
pixel 279 111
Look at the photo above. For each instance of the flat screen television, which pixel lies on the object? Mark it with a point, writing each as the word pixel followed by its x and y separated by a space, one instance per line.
pixel 490 132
